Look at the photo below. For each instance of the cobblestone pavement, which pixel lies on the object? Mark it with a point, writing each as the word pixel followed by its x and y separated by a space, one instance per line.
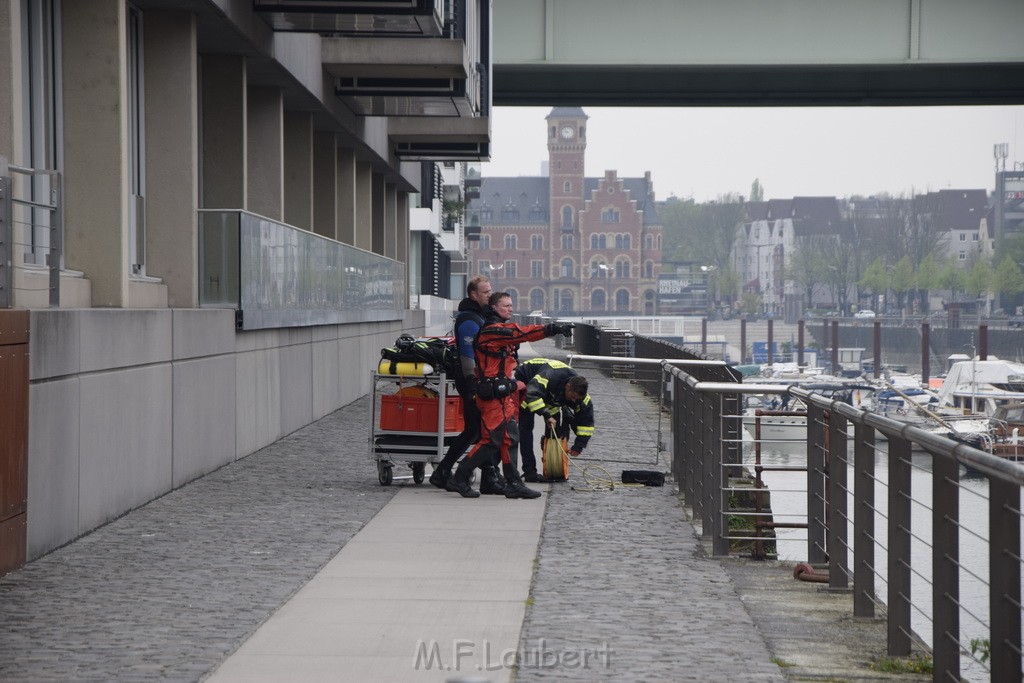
pixel 622 590
pixel 168 590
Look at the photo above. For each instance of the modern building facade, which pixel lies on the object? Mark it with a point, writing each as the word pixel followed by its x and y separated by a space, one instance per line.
pixel 565 243
pixel 206 212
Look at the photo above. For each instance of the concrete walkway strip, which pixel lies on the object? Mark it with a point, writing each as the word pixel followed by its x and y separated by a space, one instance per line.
pixel 434 587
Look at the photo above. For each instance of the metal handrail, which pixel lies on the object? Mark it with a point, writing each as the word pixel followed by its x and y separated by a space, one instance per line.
pixel 7 242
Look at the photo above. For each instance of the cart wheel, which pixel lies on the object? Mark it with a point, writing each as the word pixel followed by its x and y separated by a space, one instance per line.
pixel 384 475
pixel 419 469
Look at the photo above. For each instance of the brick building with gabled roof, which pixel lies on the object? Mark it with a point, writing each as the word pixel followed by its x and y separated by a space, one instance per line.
pixel 565 243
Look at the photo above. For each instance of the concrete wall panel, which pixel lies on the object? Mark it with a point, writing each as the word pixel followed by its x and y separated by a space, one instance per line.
pixel 204 416
pixel 53 465
pixel 54 343
pixel 125 441
pixel 123 338
pixel 257 400
pixel 203 332
pixel 296 387
pixel 326 383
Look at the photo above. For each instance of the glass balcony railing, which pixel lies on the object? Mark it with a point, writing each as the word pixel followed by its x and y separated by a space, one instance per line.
pixel 276 275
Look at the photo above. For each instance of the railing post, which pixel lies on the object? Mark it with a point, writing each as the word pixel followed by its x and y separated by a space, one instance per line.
pixel 946 568
pixel 1004 579
pixel 721 473
pixel 816 485
pixel 864 521
pixel 56 237
pixel 694 459
pixel 711 477
pixel 898 564
pixel 837 507
pixel 6 239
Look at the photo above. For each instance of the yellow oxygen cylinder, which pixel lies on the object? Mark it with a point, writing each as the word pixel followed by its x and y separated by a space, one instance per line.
pixel 407 368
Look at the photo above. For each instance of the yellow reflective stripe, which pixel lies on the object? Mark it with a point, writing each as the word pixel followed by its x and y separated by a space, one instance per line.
pixel 584 431
pixel 534 406
pixel 586 400
pixel 541 381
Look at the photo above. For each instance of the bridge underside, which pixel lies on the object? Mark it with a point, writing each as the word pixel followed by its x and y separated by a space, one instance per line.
pixel 662 85
pixel 757 53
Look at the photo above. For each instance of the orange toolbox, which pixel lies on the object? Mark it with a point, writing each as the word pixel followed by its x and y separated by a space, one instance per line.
pixel 402 413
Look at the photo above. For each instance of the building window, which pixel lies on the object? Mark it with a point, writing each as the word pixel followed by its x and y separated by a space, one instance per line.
pixel 622 300
pixel 510 269
pixel 622 268
pixel 602 241
pixel 483 266
pixel 599 270
pixel 963 237
pixel 536 299
pixel 486 214
pixel 627 241
pixel 963 255
pixel 649 269
pixel 514 295
pixel 41 139
pixel 567 242
pixel 648 242
pixel 567 187
pixel 136 146
pixel 536 242
pixel 610 216
pixel 567 217
pixel 974 237
pixel 510 241
pixel 567 267
pixel 536 269
pixel 597 300
pixel 485 242
pixel 510 213
pixel 537 213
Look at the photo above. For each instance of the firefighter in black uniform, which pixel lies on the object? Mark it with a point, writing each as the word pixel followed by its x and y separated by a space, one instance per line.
pixel 558 394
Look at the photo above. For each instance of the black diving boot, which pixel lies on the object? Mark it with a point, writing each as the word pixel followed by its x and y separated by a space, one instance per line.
pixel 440 476
pixel 459 482
pixel 514 486
pixel 490 484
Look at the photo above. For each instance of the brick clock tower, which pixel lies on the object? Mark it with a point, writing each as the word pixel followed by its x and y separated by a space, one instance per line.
pixel 567 144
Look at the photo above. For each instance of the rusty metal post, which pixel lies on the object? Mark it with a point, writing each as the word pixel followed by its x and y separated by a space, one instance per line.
pixel 743 340
pixel 800 342
pixel 816 552
pixel 1004 577
pixel 864 521
pixel 771 340
pixel 925 354
pixel 983 341
pixel 837 509
pixel 704 336
pixel 835 346
pixel 898 562
pixel 878 348
pixel 946 568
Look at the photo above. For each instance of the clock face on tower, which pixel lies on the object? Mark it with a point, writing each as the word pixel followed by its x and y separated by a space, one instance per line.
pixel 567 132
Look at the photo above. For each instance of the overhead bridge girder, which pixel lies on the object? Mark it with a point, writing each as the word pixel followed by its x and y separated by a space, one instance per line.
pixel 768 53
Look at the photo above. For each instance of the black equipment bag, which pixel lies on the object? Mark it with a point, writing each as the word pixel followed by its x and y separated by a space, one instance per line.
pixel 645 477
pixel 438 352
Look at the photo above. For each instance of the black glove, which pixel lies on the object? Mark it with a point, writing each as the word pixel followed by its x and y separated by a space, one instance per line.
pixel 567 329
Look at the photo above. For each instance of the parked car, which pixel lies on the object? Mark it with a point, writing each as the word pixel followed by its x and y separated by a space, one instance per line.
pixel 864 314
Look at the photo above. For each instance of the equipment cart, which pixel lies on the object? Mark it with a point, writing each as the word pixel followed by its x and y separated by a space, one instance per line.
pixel 413 419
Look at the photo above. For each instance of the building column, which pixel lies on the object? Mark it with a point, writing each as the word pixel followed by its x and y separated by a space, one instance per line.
pixel 298 169
pixel 172 155
pixel 364 212
pixel 265 152
pixel 390 220
pixel 378 219
pixel 325 184
pixel 223 132
pixel 402 228
pixel 94 37
pixel 348 192
pixel 10 56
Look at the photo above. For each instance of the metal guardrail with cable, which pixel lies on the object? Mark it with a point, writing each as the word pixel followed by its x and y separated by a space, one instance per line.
pixel 863 541
pixel 41 221
pixel 705 423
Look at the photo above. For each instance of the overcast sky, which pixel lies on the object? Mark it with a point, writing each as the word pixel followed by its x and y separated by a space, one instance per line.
pixel 706 152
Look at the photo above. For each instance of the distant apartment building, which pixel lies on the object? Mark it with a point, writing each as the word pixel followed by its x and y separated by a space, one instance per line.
pixel 565 243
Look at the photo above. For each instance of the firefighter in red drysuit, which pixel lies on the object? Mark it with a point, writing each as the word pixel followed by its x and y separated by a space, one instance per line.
pixel 498 397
